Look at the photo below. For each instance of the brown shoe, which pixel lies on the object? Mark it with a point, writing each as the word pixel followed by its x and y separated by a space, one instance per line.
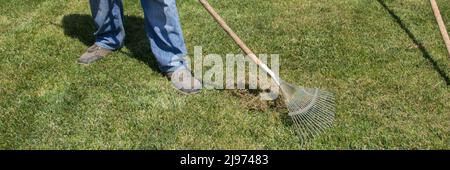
pixel 191 86
pixel 93 54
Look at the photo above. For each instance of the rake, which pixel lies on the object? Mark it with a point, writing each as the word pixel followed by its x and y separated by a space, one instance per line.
pixel 441 24
pixel 312 110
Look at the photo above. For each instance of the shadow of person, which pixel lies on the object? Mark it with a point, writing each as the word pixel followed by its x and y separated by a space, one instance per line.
pixel 81 27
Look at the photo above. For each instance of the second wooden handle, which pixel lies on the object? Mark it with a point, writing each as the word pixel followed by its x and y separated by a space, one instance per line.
pixel 441 24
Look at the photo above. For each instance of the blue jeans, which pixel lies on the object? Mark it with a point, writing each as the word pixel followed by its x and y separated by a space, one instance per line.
pixel 161 24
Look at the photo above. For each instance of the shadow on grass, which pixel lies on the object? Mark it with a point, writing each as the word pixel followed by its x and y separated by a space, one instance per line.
pixel 82 28
pixel 422 49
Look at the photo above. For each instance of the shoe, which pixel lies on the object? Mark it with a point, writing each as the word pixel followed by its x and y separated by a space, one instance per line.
pixel 184 81
pixel 93 54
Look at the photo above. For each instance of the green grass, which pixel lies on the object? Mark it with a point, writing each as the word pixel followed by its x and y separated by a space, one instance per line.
pixel 389 72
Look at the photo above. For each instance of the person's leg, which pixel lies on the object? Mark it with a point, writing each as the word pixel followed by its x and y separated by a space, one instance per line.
pixel 108 17
pixel 165 35
pixel 167 43
pixel 109 34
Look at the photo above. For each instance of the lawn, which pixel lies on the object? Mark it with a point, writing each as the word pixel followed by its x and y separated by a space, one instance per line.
pixel 383 59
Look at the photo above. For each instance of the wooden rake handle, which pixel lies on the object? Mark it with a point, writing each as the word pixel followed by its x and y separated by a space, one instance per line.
pixel 238 41
pixel 230 32
pixel 441 24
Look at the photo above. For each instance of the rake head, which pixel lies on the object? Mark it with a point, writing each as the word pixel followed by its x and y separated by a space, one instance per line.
pixel 312 110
